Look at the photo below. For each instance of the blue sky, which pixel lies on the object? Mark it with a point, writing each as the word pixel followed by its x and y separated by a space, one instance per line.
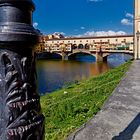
pixel 84 17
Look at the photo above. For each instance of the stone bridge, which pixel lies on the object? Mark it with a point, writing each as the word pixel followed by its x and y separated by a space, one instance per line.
pixel 99 47
pixel 100 54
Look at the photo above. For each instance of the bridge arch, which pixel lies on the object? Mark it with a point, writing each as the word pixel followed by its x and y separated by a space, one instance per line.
pixel 83 52
pixel 106 55
pixel 111 53
pixel 49 55
pixel 75 54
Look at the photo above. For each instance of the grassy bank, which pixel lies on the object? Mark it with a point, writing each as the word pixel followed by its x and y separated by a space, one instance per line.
pixel 68 108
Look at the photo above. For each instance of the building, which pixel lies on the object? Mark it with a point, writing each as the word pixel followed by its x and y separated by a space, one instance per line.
pixel 92 42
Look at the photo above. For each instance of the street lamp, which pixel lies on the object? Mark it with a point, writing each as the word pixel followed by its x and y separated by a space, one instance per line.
pixel 138 36
pixel 20 111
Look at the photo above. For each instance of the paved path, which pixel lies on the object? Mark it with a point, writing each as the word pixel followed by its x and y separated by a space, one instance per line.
pixel 119 119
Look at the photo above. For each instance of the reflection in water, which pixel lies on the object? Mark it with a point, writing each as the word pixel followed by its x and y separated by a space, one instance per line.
pixel 53 74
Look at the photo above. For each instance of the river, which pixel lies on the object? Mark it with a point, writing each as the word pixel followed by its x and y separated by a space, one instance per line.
pixel 54 74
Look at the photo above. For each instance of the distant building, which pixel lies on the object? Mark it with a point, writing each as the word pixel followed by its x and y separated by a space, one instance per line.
pixel 55 35
pixel 41 46
pixel 58 35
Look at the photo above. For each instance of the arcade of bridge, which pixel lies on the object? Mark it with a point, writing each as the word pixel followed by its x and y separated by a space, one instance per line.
pixel 98 56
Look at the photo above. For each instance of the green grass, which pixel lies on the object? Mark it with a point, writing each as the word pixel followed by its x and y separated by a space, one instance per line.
pixel 67 109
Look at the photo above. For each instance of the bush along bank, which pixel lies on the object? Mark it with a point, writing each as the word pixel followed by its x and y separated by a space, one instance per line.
pixel 67 109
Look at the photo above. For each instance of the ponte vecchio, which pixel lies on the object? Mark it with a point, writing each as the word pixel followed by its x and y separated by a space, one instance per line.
pixel 99 47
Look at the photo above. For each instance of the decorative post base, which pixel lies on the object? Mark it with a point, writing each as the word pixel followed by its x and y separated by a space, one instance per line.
pixel 20 116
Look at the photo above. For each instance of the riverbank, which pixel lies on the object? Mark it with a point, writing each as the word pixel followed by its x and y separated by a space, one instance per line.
pixel 67 109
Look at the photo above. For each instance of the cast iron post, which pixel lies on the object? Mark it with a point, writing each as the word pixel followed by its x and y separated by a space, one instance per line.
pixel 20 112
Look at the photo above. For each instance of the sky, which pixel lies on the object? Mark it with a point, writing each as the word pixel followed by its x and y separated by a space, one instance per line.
pixel 84 17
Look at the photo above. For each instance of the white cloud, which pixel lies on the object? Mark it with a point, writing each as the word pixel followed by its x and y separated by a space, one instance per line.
pixel 126 21
pixel 129 15
pixel 82 28
pixel 35 24
pixel 101 33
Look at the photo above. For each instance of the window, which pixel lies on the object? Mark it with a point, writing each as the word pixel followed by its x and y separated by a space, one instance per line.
pixel 124 40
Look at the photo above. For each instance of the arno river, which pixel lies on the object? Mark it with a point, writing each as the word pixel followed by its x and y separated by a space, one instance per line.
pixel 54 74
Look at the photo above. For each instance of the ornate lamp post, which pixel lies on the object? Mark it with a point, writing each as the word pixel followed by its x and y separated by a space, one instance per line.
pixel 20 112
pixel 138 36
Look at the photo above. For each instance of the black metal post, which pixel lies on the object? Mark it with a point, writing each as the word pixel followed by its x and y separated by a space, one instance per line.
pixel 138 35
pixel 20 112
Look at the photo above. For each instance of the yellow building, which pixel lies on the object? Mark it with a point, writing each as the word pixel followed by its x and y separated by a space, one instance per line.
pixel 41 45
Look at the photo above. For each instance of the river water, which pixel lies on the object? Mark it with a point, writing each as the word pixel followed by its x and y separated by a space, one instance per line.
pixel 54 74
